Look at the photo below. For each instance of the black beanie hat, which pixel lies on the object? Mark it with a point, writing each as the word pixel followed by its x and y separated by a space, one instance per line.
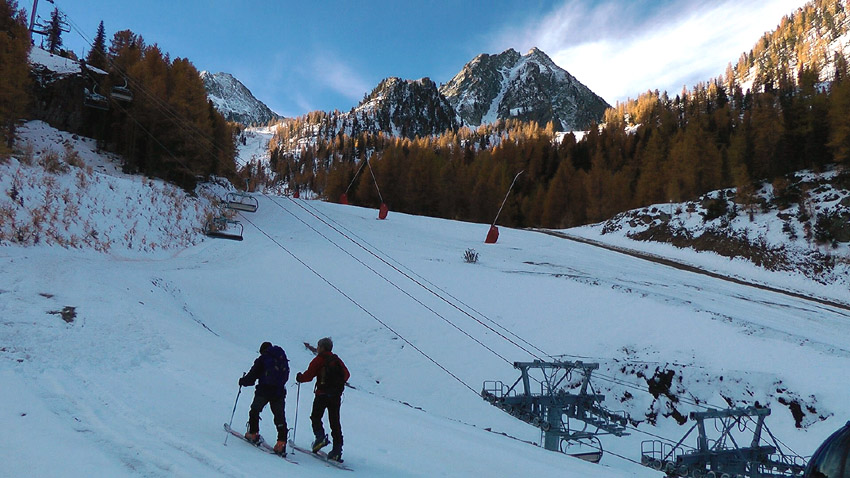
pixel 264 346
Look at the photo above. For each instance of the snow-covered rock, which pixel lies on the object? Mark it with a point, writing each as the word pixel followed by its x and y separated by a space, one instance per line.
pixel 528 87
pixel 799 225
pixel 235 101
pixel 60 66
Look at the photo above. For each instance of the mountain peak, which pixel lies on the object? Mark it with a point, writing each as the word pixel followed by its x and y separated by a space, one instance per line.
pixel 528 87
pixel 406 108
pixel 235 101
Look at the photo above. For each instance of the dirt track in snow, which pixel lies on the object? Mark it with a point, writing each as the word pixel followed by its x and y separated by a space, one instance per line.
pixel 691 268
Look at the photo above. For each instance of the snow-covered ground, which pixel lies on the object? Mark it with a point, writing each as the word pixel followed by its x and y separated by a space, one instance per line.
pixel 126 363
pixel 772 228
pixel 256 147
pixel 63 191
pixel 59 65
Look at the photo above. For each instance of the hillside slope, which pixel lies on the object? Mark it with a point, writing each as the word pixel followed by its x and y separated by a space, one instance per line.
pixel 141 373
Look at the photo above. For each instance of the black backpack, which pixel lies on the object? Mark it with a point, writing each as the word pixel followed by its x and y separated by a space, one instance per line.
pixel 276 367
pixel 332 376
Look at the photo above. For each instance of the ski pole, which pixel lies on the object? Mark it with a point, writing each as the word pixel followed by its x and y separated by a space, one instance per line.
pixel 234 412
pixel 297 400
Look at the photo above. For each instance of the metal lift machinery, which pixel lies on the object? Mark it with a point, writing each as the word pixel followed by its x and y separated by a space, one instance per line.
pixel 557 405
pixel 724 456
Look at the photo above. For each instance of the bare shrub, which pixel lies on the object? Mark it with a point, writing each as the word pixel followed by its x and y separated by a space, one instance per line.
pixel 72 157
pixel 470 256
pixel 82 179
pixel 26 154
pixel 52 164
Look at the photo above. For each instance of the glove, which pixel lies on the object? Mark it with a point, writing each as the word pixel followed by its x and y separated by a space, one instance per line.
pixel 244 383
pixel 298 376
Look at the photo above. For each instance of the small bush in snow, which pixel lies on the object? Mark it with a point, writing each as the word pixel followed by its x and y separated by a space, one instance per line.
pixel 26 154
pixel 714 208
pixel 470 256
pixel 72 157
pixel 51 163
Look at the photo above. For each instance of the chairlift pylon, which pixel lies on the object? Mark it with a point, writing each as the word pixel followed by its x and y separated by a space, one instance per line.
pixel 726 455
pixel 555 406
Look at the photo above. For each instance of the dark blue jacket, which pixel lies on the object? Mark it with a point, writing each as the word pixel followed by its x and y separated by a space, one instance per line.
pixel 272 370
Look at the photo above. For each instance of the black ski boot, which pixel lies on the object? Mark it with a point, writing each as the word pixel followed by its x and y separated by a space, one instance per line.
pixel 320 443
pixel 335 455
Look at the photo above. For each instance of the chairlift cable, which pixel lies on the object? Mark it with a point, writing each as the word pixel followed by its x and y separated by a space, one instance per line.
pixel 360 241
pixel 391 282
pixel 178 120
pixel 421 284
pixel 164 107
pixel 359 306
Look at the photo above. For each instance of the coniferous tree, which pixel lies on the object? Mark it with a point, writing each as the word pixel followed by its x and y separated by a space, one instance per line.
pixel 54 31
pixel 14 81
pixel 97 54
pixel 839 140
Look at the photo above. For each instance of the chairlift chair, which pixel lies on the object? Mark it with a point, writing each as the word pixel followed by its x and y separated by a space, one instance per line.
pixel 241 202
pixel 223 228
pixel 122 93
pixel 590 451
pixel 93 99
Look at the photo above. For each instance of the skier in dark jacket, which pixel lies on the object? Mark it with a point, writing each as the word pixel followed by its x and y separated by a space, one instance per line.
pixel 331 374
pixel 271 368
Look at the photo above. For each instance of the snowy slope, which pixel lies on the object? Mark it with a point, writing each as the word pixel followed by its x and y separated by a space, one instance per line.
pixel 140 379
pixel 784 231
pixel 59 65
pixel 63 192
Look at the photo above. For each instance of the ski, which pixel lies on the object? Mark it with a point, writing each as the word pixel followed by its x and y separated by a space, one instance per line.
pixel 320 455
pixel 262 445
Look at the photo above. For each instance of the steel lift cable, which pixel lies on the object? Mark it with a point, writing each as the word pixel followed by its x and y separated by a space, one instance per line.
pixel 360 241
pixel 386 279
pixel 361 307
pixel 179 121
pixel 421 284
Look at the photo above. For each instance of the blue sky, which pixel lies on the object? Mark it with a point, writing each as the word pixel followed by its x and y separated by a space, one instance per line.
pixel 299 56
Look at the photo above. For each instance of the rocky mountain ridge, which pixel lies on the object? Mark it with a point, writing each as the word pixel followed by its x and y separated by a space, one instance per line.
pixel 528 87
pixel 406 108
pixel 234 100
pixel 816 36
pixel 490 88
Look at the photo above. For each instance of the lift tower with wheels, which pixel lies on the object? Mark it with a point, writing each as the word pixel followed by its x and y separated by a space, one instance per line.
pixel 725 456
pixel 556 405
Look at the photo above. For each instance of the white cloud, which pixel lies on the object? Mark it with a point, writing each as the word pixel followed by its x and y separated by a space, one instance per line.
pixel 621 48
pixel 336 75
